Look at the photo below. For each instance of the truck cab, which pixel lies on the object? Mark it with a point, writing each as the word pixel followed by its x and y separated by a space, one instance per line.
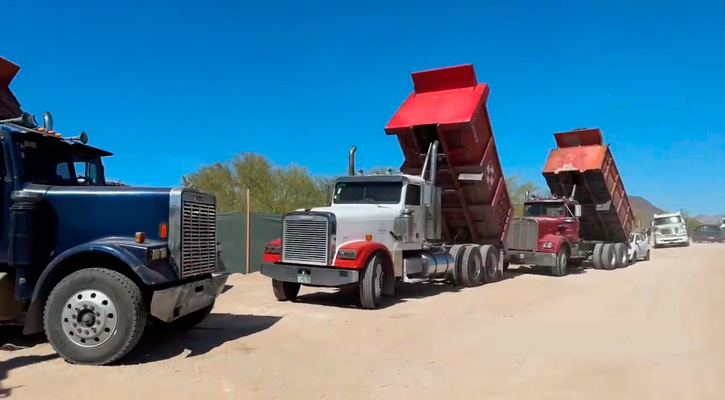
pixel 548 227
pixel 88 262
pixel 670 229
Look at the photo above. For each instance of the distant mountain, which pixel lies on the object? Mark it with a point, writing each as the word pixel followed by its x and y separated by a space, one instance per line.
pixel 644 210
pixel 709 219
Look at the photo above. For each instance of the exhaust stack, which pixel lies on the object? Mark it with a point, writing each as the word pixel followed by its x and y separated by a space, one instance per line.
pixel 351 161
pixel 47 121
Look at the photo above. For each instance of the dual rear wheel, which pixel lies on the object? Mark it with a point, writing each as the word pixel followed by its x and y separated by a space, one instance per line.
pixel 610 256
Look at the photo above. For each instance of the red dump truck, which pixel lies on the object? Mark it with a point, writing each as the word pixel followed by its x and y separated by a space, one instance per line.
pixel 445 217
pixel 588 218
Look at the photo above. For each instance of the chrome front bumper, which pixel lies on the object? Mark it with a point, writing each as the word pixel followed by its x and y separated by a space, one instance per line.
pixel 178 301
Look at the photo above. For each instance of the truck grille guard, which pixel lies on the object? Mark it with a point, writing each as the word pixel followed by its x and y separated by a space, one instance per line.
pixel 192 232
pixel 308 238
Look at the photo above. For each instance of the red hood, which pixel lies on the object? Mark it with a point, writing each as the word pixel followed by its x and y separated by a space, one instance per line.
pixel 547 225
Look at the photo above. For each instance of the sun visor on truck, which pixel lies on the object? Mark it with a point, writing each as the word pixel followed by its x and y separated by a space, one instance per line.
pixel 9 105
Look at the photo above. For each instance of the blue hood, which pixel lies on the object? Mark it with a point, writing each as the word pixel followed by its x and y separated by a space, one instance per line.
pixel 81 214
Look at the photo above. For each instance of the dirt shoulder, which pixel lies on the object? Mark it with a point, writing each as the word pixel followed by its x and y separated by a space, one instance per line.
pixel 650 331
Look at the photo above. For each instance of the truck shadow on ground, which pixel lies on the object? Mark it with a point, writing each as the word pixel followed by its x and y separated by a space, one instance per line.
pixel 349 297
pixel 513 272
pixel 159 343
pixel 18 362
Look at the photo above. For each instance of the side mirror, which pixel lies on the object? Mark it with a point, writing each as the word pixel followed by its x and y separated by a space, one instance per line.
pixel 577 210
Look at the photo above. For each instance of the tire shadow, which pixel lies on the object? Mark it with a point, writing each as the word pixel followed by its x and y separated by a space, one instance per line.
pixel 347 297
pixel 160 343
pixel 519 270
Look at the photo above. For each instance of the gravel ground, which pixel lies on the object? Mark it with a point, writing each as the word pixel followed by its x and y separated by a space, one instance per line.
pixel 650 331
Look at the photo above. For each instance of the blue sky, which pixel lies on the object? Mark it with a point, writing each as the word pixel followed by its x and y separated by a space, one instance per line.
pixel 172 85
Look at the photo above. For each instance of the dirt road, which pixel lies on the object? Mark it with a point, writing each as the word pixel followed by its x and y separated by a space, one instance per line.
pixel 651 331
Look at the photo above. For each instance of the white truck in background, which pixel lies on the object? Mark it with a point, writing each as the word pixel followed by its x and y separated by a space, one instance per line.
pixel 670 229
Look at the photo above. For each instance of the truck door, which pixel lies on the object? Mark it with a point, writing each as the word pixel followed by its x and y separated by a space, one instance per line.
pixel 570 224
pixel 413 203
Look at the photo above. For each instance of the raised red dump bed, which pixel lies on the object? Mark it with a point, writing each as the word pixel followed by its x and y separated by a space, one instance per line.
pixel 449 105
pixel 582 158
pixel 9 105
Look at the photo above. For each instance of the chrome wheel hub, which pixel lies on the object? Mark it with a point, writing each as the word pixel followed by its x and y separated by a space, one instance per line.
pixel 89 318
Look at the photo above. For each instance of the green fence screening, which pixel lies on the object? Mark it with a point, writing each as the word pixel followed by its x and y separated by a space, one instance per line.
pixel 232 230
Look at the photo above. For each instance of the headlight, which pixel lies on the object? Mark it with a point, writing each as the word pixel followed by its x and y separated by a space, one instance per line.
pixel 273 249
pixel 547 245
pixel 347 254
pixel 158 254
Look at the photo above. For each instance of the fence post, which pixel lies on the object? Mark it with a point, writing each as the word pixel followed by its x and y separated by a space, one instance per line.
pixel 248 238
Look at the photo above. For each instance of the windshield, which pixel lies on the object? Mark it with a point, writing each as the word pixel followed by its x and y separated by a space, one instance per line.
pixel 544 209
pixel 368 192
pixel 668 220
pixel 710 228
pixel 50 161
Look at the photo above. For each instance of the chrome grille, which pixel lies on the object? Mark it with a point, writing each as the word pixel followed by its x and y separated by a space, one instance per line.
pixel 306 239
pixel 523 235
pixel 198 238
pixel 666 231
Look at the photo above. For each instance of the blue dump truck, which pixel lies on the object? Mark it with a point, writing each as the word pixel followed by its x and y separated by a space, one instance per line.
pixel 89 262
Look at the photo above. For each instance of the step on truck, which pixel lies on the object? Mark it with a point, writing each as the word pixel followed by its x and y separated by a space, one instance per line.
pixel 587 218
pixel 87 262
pixel 444 217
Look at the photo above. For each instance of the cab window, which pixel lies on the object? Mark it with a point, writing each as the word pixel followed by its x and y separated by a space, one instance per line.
pixel 412 195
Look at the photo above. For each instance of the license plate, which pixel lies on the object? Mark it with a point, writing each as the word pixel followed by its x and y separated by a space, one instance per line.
pixel 521 256
pixel 302 278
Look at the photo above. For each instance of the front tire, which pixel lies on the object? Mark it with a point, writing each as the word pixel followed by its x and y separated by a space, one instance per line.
pixel 285 291
pixel 371 285
pixel 562 259
pixel 94 316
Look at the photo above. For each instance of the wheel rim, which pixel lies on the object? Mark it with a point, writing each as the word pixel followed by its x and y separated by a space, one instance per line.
pixel 89 318
pixel 378 280
pixel 476 268
pixel 563 261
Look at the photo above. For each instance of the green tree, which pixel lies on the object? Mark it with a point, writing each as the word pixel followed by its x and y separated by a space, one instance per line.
pixel 273 189
pixel 517 192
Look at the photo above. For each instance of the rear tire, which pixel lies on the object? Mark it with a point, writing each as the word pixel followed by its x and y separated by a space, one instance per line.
pixel 489 255
pixel 456 251
pixel 562 259
pixel 609 257
pixel 622 255
pixel 471 269
pixel 94 316
pixel 285 291
pixel 371 285
pixel 597 256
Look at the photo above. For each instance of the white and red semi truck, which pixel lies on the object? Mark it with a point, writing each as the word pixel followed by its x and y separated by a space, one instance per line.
pixel 445 217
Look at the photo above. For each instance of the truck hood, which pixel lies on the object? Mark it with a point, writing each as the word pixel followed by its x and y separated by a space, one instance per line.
pixel 355 221
pixel 674 228
pixel 81 214
pixel 360 212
